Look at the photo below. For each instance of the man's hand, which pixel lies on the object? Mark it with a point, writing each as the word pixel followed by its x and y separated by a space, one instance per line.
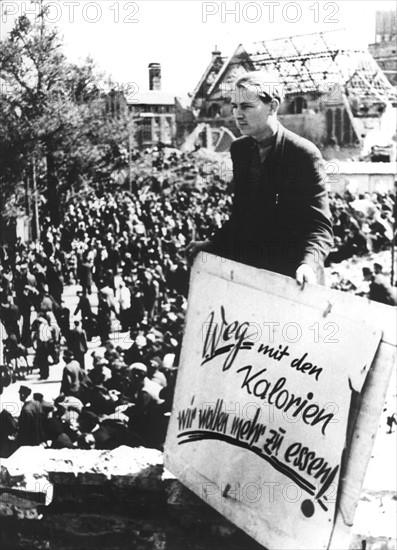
pixel 305 274
pixel 194 247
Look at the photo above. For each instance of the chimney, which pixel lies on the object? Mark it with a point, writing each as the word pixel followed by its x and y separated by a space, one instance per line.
pixel 216 53
pixel 154 76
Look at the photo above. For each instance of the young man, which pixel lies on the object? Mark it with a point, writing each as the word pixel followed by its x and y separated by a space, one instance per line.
pixel 280 218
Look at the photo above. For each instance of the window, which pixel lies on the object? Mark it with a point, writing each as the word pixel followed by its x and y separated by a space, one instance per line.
pixel 338 126
pixel 214 110
pixel 330 124
pixel 347 129
pixel 147 129
pixel 297 105
pixel 156 129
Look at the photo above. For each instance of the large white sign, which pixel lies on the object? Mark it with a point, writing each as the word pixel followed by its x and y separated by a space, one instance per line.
pixel 262 402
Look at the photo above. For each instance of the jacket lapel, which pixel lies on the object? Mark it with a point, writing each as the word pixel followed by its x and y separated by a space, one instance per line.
pixel 275 159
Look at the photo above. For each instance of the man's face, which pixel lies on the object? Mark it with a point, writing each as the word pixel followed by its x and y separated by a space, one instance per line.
pixel 137 378
pixel 23 395
pixel 251 114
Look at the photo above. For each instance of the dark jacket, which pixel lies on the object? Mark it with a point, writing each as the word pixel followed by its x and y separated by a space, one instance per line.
pixel 280 216
pixel 72 377
pixel 380 290
pixel 78 341
pixel 8 426
pixel 31 424
pixel 84 306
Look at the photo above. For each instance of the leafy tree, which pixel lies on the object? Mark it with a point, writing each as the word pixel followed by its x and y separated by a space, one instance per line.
pixel 54 129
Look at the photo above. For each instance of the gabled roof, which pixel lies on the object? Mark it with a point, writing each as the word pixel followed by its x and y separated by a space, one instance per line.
pixel 214 67
pixel 312 62
pixel 239 54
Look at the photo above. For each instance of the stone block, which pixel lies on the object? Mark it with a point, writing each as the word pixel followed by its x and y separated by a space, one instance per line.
pixel 126 496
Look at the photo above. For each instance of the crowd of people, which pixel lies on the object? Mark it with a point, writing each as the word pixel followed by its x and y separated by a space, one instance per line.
pixel 125 250
pixel 362 224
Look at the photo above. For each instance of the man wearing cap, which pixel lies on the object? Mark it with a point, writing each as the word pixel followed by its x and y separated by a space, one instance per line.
pixel 280 218
pixel 30 422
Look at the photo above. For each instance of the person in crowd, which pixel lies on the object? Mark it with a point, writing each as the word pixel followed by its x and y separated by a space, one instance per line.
pixel 16 357
pixel 8 424
pixel 63 319
pixel 146 418
pixel 10 315
pixel 104 315
pixel 26 293
pixel 390 421
pixel 85 273
pixel 54 279
pixel 72 375
pixel 42 338
pixel 137 310
pixel 380 290
pixel 30 423
pixel 123 296
pixel 378 268
pixel 84 306
pixel 78 344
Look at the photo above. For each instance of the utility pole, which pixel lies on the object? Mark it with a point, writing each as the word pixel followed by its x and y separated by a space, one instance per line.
pixel 35 200
pixel 129 152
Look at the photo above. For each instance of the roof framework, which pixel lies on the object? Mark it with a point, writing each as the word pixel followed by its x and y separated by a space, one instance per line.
pixel 311 62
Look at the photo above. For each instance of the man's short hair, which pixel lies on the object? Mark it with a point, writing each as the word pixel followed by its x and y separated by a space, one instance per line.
pixel 262 84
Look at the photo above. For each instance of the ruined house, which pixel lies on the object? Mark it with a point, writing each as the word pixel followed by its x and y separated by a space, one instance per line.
pixel 334 95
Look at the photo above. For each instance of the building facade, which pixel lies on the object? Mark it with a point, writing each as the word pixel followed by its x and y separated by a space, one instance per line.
pixel 384 49
pixel 156 116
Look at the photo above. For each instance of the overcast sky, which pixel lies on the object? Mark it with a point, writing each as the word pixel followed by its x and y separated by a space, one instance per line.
pixel 123 37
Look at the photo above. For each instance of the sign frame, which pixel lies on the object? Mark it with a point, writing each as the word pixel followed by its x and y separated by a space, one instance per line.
pixel 366 407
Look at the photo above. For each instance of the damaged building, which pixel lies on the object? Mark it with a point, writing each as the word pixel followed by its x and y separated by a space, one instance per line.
pixel 156 116
pixel 334 95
